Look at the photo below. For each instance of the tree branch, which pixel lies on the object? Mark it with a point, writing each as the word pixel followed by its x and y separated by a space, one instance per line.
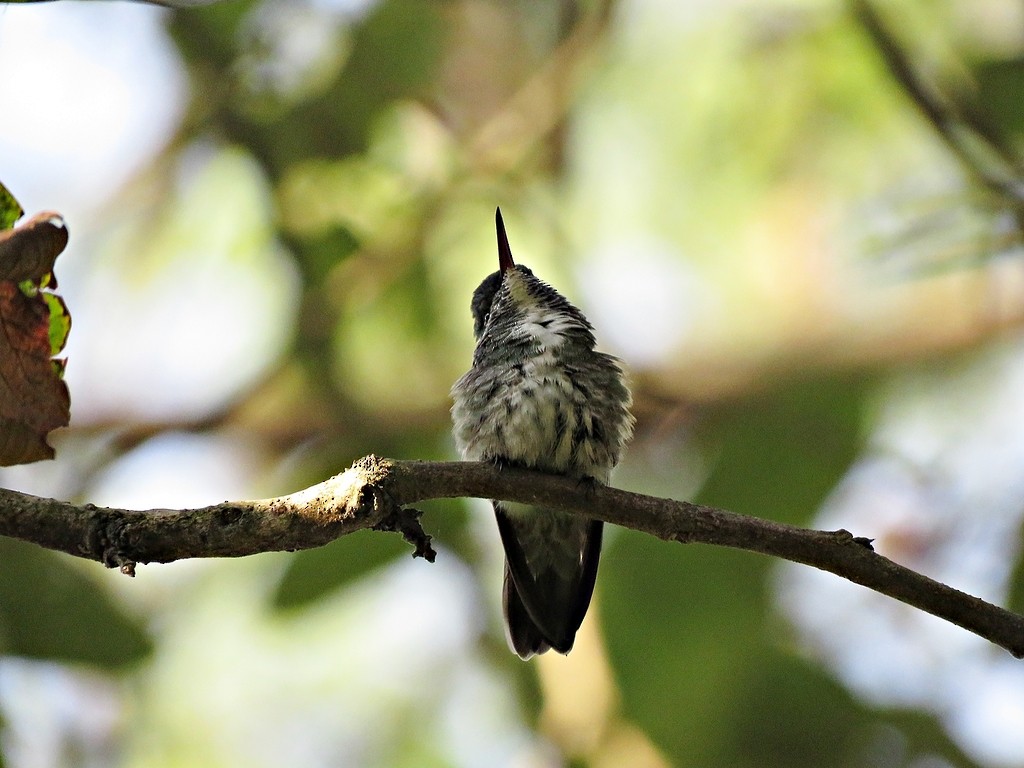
pixel 375 493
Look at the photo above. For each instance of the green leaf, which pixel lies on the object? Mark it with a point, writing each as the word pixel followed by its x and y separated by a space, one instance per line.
pixel 689 629
pixel 679 622
pixel 1000 83
pixel 698 668
pixel 50 610
pixel 60 322
pixel 314 573
pixel 780 453
pixel 321 251
pixel 10 209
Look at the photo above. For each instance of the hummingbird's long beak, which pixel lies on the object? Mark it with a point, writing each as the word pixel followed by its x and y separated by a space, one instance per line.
pixel 504 252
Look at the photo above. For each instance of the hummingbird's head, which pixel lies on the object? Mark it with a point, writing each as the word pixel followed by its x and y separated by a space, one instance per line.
pixel 514 304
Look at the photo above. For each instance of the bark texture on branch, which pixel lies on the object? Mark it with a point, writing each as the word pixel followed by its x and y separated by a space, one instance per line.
pixel 376 493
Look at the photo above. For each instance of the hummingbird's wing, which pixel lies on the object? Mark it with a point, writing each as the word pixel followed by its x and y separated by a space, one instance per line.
pixel 551 564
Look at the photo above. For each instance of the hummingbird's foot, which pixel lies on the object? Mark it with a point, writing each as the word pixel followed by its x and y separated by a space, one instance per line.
pixel 502 463
pixel 588 484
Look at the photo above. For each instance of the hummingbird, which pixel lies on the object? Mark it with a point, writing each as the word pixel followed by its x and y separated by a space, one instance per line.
pixel 539 396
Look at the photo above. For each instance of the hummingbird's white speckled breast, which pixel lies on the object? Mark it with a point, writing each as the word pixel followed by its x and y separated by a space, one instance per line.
pixel 538 412
pixel 538 394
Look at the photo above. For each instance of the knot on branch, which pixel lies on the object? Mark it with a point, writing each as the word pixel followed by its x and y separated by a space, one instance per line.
pixel 373 475
pixel 106 540
pixel 843 536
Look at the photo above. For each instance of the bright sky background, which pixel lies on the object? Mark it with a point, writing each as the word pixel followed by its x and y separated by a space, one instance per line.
pixel 159 315
pixel 96 89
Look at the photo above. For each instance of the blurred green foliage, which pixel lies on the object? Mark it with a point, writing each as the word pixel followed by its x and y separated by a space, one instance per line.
pixel 10 208
pixel 313 573
pixel 714 655
pixel 778 455
pixel 748 144
pixel 50 610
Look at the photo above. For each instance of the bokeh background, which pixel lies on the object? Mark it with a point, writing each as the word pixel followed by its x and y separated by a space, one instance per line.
pixel 798 222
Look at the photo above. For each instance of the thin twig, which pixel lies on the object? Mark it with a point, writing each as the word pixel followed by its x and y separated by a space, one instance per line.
pixel 961 125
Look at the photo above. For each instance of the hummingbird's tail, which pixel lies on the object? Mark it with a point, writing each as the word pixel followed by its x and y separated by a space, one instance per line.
pixel 550 567
pixel 522 633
